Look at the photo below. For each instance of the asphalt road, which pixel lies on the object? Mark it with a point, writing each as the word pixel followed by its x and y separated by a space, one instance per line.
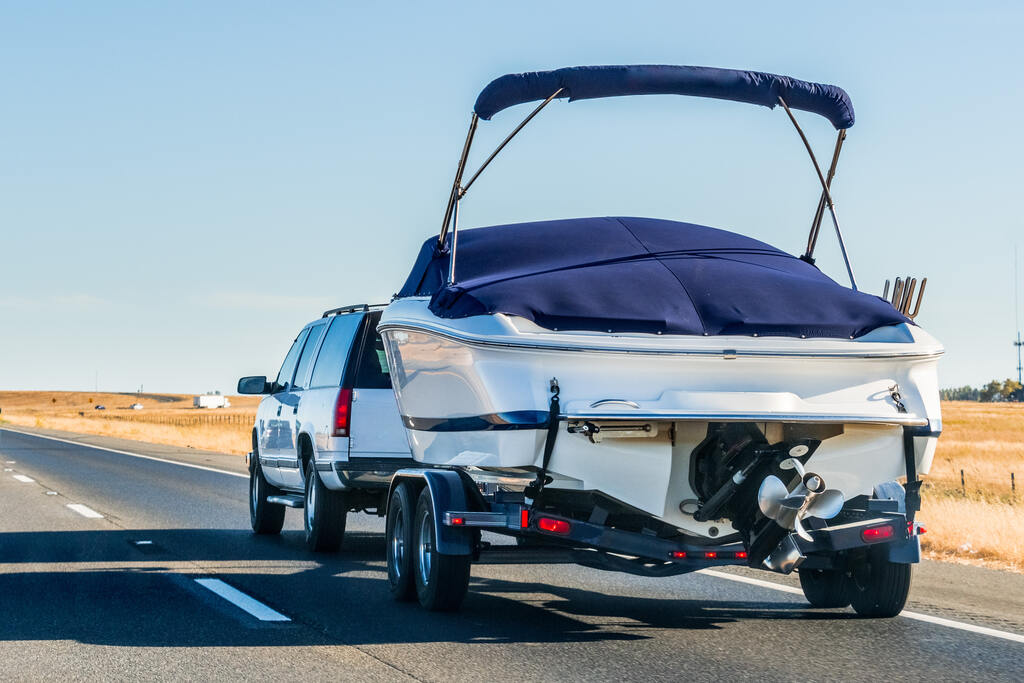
pixel 109 591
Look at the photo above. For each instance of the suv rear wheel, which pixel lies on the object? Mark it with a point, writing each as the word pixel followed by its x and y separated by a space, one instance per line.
pixel 265 518
pixel 324 513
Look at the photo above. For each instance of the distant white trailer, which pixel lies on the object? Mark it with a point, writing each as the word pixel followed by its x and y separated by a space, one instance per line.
pixel 211 401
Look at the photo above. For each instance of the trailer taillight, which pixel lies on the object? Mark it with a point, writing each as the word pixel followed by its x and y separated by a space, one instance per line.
pixel 874 534
pixel 741 555
pixel 458 521
pixel 678 554
pixel 554 526
pixel 524 519
pixel 343 412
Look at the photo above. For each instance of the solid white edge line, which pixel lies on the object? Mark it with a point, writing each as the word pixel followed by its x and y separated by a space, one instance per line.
pixel 241 600
pixel 84 510
pixel 23 479
pixel 917 616
pixel 134 455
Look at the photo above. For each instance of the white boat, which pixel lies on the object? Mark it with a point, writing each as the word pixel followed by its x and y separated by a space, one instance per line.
pixel 677 374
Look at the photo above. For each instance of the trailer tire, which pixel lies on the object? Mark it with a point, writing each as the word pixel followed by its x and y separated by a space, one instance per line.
pixel 825 587
pixel 878 587
pixel 441 580
pixel 266 518
pixel 399 526
pixel 324 514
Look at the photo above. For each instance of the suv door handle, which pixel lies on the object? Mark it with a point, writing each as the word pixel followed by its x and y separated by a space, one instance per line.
pixel 295 410
pixel 279 411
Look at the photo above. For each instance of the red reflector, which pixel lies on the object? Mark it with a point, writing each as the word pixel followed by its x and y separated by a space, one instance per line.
pixel 678 554
pixel 524 519
pixel 877 533
pixel 916 531
pixel 741 555
pixel 342 412
pixel 554 526
pixel 458 521
pixel 710 555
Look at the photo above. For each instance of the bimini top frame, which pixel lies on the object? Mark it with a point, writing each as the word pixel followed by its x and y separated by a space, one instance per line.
pixel 589 82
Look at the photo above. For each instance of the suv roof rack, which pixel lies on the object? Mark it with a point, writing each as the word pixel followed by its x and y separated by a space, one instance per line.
pixel 351 309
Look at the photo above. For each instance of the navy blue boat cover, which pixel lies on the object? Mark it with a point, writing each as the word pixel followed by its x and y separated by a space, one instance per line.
pixel 587 82
pixel 641 275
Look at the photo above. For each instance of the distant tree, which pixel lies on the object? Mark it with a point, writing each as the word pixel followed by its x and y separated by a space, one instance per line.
pixel 993 391
pixel 1012 390
pixel 964 393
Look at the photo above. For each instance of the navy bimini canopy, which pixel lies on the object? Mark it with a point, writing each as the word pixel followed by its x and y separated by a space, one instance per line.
pixel 641 275
pixel 588 82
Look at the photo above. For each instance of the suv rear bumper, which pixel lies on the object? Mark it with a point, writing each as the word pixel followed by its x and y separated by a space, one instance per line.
pixel 362 473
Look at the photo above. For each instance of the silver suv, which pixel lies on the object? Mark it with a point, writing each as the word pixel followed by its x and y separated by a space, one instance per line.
pixel 328 435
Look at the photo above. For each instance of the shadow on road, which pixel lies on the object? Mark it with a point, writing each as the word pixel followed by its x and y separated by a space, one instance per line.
pixel 145 597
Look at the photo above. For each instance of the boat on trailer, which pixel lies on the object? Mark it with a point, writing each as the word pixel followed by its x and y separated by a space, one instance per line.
pixel 661 395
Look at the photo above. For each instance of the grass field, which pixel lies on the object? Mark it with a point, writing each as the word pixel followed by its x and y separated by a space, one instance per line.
pixel 165 418
pixel 981 522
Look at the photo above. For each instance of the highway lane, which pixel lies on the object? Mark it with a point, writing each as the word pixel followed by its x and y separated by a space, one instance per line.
pixel 82 599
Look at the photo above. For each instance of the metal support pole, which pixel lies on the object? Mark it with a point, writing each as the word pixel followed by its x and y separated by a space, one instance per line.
pixel 825 191
pixel 455 242
pixel 457 185
pixel 507 139
pixel 812 239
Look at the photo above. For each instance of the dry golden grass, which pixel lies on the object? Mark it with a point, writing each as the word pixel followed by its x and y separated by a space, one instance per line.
pixel 166 418
pixel 983 524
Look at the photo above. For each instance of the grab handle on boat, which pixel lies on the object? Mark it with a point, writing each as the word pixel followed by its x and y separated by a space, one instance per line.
pixel 615 401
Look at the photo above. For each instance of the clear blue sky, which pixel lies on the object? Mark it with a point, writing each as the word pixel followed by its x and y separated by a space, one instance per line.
pixel 184 185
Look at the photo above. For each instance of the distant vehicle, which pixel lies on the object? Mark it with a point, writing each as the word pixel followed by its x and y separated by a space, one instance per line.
pixel 136 406
pixel 100 407
pixel 211 401
pixel 327 436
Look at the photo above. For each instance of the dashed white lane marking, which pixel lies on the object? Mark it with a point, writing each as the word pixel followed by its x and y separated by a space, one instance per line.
pixel 917 616
pixel 11 462
pixel 241 600
pixel 134 455
pixel 84 510
pixel 52 493
pixel 23 478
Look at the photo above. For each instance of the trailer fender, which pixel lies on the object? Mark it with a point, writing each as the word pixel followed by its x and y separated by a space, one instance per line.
pixel 448 493
pixel 900 552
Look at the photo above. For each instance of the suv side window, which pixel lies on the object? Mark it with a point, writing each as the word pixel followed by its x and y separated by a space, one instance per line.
pixel 330 362
pixel 306 358
pixel 284 377
pixel 373 364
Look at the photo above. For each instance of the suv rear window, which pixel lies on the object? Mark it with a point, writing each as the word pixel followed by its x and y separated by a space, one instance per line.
pixel 373 365
pixel 330 362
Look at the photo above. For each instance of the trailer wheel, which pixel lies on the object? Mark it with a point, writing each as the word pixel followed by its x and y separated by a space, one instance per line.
pixel 825 587
pixel 401 510
pixel 879 588
pixel 324 514
pixel 265 518
pixel 441 580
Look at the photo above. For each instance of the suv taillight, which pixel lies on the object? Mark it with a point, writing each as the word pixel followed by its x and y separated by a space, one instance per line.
pixel 342 412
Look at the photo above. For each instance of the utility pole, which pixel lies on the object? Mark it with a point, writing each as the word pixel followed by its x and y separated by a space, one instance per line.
pixel 1018 344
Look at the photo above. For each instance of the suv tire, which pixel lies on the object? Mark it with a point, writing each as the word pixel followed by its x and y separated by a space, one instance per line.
pixel 441 580
pixel 265 518
pixel 324 513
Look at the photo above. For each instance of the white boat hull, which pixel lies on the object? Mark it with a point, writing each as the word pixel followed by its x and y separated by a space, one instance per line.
pixel 475 392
